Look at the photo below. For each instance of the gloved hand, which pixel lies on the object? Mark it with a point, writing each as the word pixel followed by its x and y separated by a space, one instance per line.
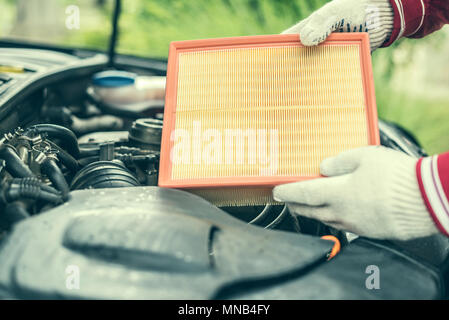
pixel 372 16
pixel 370 191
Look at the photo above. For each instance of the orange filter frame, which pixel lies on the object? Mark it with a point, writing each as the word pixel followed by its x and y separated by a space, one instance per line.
pixel 312 102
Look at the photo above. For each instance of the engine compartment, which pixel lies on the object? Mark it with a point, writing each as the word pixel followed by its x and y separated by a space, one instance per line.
pixel 58 136
pixel 44 162
pixel 84 172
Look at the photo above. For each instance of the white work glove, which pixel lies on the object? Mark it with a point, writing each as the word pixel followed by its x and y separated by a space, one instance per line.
pixel 372 16
pixel 371 191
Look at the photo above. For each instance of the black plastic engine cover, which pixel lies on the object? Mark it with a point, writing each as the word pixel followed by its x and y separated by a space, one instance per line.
pixel 345 277
pixel 153 243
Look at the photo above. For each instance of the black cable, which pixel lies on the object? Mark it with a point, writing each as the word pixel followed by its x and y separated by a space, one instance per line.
pixel 52 171
pixel 279 218
pixel 67 160
pixel 262 215
pixel 14 165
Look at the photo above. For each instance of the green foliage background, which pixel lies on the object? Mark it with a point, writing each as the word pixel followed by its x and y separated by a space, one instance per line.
pixel 148 26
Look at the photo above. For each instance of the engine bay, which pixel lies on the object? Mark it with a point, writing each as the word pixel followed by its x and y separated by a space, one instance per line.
pixel 85 171
pixel 59 135
pixel 62 137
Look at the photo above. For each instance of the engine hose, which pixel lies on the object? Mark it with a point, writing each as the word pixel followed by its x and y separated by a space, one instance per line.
pixel 88 160
pixel 66 159
pixel 32 181
pixel 14 165
pixel 13 213
pixel 30 188
pixel 104 174
pixel 89 152
pixel 67 137
pixel 49 189
pixel 52 171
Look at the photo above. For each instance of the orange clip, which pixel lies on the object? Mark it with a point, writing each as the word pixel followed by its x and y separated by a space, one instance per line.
pixel 335 249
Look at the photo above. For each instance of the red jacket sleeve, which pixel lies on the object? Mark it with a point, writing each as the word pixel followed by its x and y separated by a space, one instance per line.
pixel 417 18
pixel 433 180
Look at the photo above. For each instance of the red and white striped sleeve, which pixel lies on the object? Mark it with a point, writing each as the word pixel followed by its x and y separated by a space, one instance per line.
pixel 417 18
pixel 433 180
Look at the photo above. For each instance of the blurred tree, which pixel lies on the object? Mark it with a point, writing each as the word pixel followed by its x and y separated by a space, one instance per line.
pixel 36 19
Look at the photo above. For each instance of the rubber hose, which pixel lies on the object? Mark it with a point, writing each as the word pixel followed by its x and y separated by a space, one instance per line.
pixel 88 160
pixel 32 181
pixel 66 159
pixel 52 171
pixel 65 135
pixel 49 197
pixel 31 188
pixel 89 152
pixel 14 165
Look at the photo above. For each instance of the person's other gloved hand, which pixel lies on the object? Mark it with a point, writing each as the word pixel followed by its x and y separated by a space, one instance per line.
pixel 371 191
pixel 372 16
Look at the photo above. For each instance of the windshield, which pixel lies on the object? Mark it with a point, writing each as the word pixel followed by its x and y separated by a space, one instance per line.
pixel 86 24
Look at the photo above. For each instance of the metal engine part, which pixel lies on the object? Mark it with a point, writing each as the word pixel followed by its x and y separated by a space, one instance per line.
pixel 146 133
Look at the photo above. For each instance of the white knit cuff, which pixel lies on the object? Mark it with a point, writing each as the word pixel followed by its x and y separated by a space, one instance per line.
pixel 380 20
pixel 408 208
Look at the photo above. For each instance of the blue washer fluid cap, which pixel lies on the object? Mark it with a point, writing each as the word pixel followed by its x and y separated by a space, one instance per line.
pixel 113 79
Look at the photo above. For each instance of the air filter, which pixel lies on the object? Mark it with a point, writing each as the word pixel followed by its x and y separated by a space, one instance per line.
pixel 245 114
